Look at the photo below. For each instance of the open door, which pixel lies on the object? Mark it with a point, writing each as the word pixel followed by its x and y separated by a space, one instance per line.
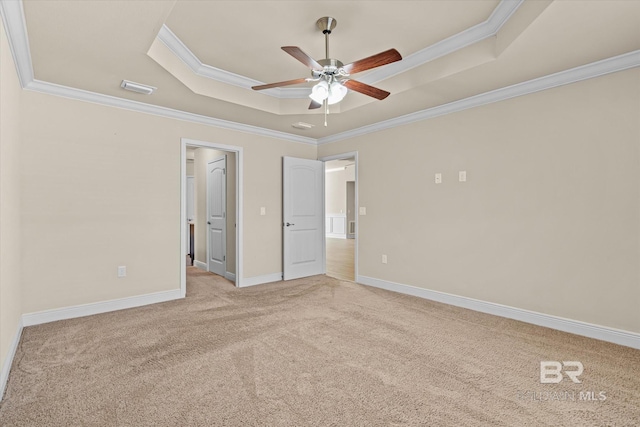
pixel 217 216
pixel 303 218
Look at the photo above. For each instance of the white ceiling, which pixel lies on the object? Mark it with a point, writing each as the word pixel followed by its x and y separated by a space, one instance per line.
pixel 453 50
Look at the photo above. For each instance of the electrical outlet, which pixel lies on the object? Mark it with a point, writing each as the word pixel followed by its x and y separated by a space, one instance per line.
pixel 384 259
pixel 438 178
pixel 363 210
pixel 122 271
pixel 263 211
pixel 462 176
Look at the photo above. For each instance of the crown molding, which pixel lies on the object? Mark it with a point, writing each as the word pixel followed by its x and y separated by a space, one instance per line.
pixel 488 28
pixel 501 14
pixel 180 50
pixel 13 18
pixel 584 72
pixel 16 30
pixel 141 107
pixel 477 33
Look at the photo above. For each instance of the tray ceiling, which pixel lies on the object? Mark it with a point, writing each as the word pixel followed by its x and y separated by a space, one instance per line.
pixel 202 54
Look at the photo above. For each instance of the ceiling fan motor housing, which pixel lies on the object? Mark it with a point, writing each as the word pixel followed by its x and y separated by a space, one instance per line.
pixel 326 24
pixel 331 67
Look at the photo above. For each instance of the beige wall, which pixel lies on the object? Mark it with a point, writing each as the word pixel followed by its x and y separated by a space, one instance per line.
pixel 549 219
pixel 202 157
pixel 10 247
pixel 90 205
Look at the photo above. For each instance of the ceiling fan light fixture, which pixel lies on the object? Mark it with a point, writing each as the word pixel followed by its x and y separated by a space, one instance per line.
pixel 337 92
pixel 320 92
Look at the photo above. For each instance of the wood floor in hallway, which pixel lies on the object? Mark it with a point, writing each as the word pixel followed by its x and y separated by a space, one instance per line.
pixel 340 258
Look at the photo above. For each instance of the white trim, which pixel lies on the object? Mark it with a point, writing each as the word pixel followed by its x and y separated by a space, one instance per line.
pixel 8 361
pixel 342 156
pixel 239 206
pixel 617 336
pixel 502 13
pixel 203 266
pixel 16 30
pixel 180 50
pixel 38 318
pixel 183 218
pixel 336 236
pixel 259 280
pixel 584 72
pixel 127 104
pixel 13 17
pixel 479 32
pixel 329 218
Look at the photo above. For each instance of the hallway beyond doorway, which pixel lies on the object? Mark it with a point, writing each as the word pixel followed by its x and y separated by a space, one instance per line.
pixel 340 258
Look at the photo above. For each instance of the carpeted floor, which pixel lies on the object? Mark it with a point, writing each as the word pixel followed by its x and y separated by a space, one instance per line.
pixel 311 352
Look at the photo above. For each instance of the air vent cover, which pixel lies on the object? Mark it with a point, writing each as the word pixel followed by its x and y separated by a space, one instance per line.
pixel 302 125
pixel 137 87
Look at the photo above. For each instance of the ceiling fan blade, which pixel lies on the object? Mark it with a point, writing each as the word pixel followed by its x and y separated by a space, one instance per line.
pixel 278 84
pixel 366 89
pixel 382 58
pixel 314 105
pixel 297 53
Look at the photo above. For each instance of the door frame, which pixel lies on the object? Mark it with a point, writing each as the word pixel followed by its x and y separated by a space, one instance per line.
pixel 184 142
pixel 344 156
pixel 224 238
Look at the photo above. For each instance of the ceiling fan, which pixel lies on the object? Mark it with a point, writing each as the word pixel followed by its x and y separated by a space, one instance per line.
pixel 333 76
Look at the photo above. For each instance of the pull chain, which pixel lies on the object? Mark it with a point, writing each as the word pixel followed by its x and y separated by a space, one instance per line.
pixel 326 111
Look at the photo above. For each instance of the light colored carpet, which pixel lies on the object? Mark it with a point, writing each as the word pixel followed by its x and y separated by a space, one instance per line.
pixel 311 352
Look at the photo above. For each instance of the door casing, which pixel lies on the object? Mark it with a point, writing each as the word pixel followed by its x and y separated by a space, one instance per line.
pixel 344 156
pixel 239 232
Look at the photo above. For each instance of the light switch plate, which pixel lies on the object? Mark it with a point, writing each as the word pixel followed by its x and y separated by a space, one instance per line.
pixel 438 178
pixel 462 176
pixel 363 210
pixel 263 211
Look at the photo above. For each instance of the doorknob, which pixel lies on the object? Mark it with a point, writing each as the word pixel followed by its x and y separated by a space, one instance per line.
pixel 209 222
pixel 289 224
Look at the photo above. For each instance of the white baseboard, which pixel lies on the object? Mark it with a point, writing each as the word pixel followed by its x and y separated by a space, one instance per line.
pixel 201 265
pixel 8 361
pixel 617 336
pixel 336 236
pixel 259 280
pixel 30 319
pixel 230 276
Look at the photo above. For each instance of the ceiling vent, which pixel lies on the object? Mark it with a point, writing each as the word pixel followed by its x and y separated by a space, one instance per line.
pixel 137 87
pixel 302 125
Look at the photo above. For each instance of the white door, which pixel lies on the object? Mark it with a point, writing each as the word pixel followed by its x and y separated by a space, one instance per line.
pixel 216 216
pixel 303 218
